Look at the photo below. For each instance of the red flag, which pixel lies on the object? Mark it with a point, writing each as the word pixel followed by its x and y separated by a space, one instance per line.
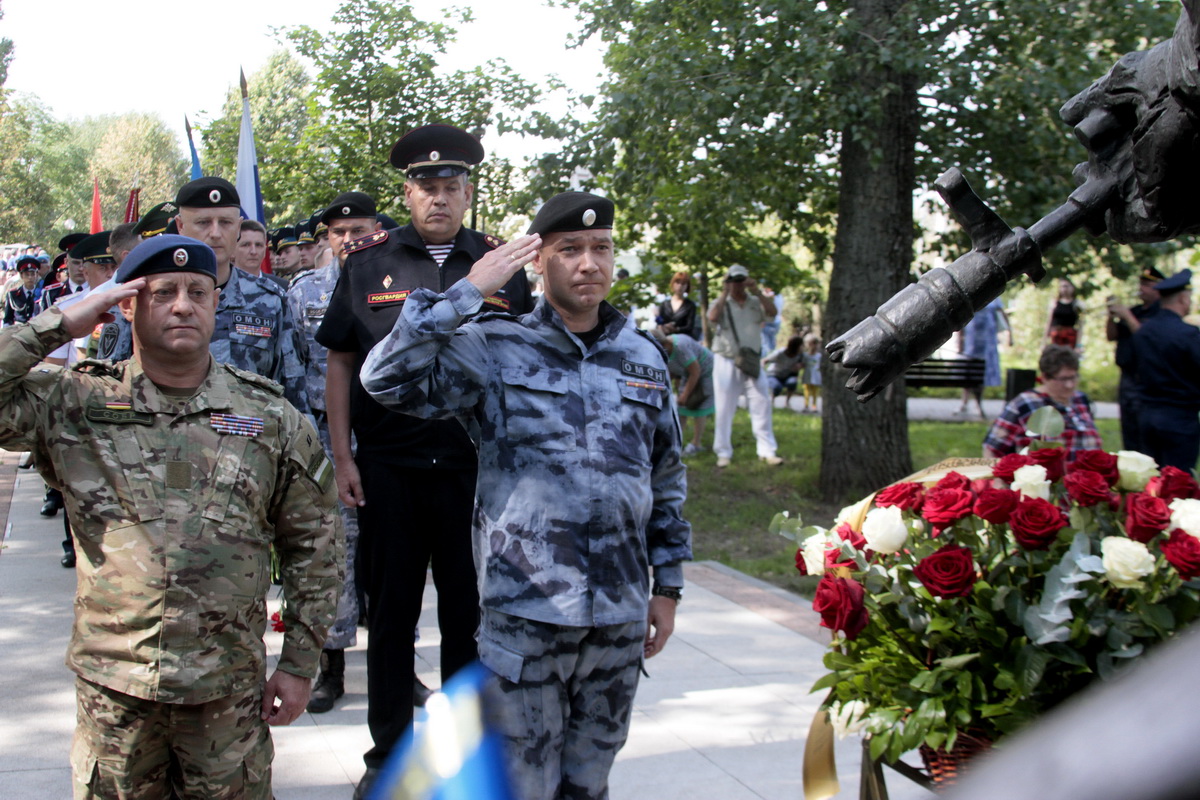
pixel 97 225
pixel 131 208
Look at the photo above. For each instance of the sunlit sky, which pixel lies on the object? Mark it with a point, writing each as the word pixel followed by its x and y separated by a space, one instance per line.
pixel 86 58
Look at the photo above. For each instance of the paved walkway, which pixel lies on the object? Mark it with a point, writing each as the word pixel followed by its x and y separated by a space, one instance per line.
pixel 723 716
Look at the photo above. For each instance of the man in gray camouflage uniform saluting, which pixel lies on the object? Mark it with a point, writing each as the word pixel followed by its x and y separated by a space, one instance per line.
pixel 580 487
pixel 179 475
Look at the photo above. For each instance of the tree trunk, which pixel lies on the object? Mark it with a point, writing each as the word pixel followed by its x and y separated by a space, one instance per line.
pixel 865 446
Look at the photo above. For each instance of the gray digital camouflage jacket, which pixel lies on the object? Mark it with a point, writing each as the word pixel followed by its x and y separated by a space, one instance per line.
pixel 581 487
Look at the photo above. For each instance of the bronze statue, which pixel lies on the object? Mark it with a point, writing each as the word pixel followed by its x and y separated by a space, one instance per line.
pixel 1140 124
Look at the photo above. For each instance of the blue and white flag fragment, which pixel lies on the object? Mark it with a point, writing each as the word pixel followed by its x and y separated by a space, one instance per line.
pixel 455 754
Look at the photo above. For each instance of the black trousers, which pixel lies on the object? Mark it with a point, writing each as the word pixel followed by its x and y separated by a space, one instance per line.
pixel 1170 435
pixel 413 517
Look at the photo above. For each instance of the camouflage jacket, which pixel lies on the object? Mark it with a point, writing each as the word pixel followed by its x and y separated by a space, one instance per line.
pixel 255 331
pixel 309 300
pixel 580 485
pixel 174 505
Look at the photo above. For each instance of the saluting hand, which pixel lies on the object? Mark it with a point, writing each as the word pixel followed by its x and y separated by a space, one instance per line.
pixel 491 272
pixel 82 317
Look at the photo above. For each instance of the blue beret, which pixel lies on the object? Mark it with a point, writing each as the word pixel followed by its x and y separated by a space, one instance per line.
pixel 1176 283
pixel 208 193
pixel 573 211
pixel 168 253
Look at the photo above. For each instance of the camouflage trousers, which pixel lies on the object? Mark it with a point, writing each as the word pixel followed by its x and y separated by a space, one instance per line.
pixel 563 697
pixel 344 631
pixel 127 748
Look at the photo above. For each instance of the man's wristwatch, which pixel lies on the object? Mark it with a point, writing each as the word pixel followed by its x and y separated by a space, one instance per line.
pixel 673 592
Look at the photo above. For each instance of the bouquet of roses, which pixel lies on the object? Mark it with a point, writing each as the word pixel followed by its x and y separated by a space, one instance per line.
pixel 973 604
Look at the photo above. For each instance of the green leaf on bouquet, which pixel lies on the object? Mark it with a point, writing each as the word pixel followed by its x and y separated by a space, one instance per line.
pixel 1031 665
pixel 958 662
pixel 787 526
pixel 1045 423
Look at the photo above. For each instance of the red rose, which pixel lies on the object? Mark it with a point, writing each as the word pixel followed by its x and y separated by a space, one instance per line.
pixel 1173 483
pixel 1009 464
pixel 1088 488
pixel 949 572
pixel 1182 551
pixel 1036 522
pixel 996 505
pixel 906 495
pixel 1096 461
pixel 944 507
pixel 852 536
pixel 1053 459
pixel 954 480
pixel 856 540
pixel 277 623
pixel 801 564
pixel 839 601
pixel 1146 516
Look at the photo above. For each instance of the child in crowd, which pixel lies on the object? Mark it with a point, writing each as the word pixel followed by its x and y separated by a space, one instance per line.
pixel 783 367
pixel 811 376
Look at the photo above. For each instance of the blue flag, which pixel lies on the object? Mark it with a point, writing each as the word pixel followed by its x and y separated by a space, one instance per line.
pixel 196 172
pixel 454 754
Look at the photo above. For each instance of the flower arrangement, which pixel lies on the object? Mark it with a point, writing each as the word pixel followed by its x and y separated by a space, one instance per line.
pixel 963 604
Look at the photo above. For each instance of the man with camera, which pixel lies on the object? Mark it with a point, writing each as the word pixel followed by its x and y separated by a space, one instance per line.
pixel 738 314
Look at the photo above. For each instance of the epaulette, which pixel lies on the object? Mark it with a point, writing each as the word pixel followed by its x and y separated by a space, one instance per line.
pixel 253 377
pixel 498 316
pixel 370 240
pixel 303 276
pixel 271 286
pixel 650 338
pixel 492 241
pixel 101 367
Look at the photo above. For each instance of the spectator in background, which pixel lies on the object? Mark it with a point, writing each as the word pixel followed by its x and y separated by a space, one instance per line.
pixel 691 363
pixel 678 314
pixel 20 304
pixel 1123 323
pixel 783 368
pixel 771 327
pixel 811 376
pixel 1058 370
pixel 979 341
pixel 1064 327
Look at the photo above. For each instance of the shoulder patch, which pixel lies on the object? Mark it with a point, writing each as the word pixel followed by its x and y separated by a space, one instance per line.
pixel 254 378
pixel 370 240
pixel 99 367
pixel 492 241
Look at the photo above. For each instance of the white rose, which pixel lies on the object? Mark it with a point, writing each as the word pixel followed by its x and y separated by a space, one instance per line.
pixel 812 550
pixel 1136 470
pixel 1030 481
pixel 1185 514
pixel 885 530
pixel 848 718
pixel 1126 562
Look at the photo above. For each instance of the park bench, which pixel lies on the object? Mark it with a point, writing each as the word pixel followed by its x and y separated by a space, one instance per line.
pixel 962 373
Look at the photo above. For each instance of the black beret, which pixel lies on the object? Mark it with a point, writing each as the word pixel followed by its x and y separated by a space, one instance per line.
pixel 154 221
pixel 436 151
pixel 70 240
pixel 208 193
pixel 573 211
pixel 349 205
pixel 387 222
pixel 94 249
pixel 167 253
pixel 1176 283
pixel 285 237
pixel 29 264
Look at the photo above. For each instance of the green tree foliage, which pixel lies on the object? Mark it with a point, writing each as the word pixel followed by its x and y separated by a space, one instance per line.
pixel 377 76
pixel 6 54
pixel 721 114
pixel 135 150
pixel 28 211
pixel 281 107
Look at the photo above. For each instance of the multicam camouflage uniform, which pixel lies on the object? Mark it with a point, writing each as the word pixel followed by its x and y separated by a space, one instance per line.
pixel 579 496
pixel 308 298
pixel 175 503
pixel 255 331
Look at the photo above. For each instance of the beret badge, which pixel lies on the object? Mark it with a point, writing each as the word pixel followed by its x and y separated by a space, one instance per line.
pixel 215 196
pixel 589 217
pixel 181 256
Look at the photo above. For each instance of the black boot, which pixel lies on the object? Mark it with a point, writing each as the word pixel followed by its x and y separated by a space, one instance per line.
pixel 331 683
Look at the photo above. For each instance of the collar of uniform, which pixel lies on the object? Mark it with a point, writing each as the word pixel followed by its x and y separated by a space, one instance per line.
pixel 464 239
pixel 546 314
pixel 232 295
pixel 146 397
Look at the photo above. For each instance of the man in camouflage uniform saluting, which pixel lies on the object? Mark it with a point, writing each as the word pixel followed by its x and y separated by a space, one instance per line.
pixel 580 487
pixel 179 474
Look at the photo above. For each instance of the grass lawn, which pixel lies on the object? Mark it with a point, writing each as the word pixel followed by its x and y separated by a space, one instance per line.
pixel 730 509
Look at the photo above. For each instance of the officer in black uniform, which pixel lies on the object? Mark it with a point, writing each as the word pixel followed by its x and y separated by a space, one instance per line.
pixel 412 480
pixel 1123 322
pixel 1168 374
pixel 20 304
